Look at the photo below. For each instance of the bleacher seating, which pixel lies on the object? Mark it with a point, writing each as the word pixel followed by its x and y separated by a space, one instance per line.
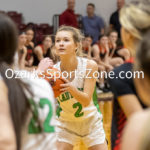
pixel 16 17
pixel 39 29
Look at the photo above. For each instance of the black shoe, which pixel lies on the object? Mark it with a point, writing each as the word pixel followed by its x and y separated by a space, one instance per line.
pixel 107 85
pixel 97 84
pixel 105 90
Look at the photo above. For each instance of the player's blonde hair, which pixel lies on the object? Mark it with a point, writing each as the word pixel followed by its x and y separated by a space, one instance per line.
pixel 77 37
pixel 135 18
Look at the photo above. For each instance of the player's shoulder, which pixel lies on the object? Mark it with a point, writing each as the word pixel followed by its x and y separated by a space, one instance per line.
pixel 37 84
pixel 91 64
pixel 124 67
pixel 120 76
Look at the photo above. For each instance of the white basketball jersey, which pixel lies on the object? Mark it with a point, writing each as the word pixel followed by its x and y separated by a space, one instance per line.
pixel 72 110
pixel 41 137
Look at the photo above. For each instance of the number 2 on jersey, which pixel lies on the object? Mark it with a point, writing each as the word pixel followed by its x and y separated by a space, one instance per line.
pixel 34 125
pixel 78 113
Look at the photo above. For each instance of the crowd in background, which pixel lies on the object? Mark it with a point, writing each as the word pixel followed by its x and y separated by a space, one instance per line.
pixel 101 43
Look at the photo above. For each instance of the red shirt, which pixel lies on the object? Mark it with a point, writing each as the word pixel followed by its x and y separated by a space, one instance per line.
pixel 68 18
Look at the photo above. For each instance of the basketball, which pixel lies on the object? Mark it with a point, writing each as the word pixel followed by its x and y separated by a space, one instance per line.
pixel 53 76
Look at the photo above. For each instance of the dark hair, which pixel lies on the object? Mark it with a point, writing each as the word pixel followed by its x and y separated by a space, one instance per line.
pixel 17 100
pixel 88 35
pixel 91 4
pixel 29 28
pixel 34 33
pixel 45 36
pixel 99 38
pixel 112 32
pixel 143 55
pixel 8 39
pixel 21 32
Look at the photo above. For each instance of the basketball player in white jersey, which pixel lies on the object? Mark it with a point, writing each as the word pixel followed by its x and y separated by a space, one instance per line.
pixel 39 130
pixel 79 115
pixel 27 108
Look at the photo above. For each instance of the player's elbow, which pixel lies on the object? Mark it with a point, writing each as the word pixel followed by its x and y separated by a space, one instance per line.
pixel 86 102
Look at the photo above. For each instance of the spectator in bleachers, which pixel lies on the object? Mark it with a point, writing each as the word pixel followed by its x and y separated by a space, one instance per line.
pixel 117 54
pixel 116 47
pixel 87 46
pixel 106 54
pixel 44 50
pixel 101 52
pixel 22 50
pixel 93 24
pixel 101 56
pixel 114 19
pixel 30 46
pixel 113 37
pixel 68 17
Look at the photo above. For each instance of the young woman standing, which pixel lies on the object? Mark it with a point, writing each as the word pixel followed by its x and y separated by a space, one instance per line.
pixel 79 116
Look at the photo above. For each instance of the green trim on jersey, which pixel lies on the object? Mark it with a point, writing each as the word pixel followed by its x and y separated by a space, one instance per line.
pixel 80 89
pixel 95 100
pixel 59 109
pixel 34 126
pixel 64 97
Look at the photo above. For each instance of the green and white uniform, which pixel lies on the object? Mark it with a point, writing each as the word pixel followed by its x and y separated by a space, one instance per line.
pixel 35 137
pixel 41 137
pixel 75 121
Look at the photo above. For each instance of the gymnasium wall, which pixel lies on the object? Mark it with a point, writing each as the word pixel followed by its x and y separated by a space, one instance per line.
pixel 41 11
